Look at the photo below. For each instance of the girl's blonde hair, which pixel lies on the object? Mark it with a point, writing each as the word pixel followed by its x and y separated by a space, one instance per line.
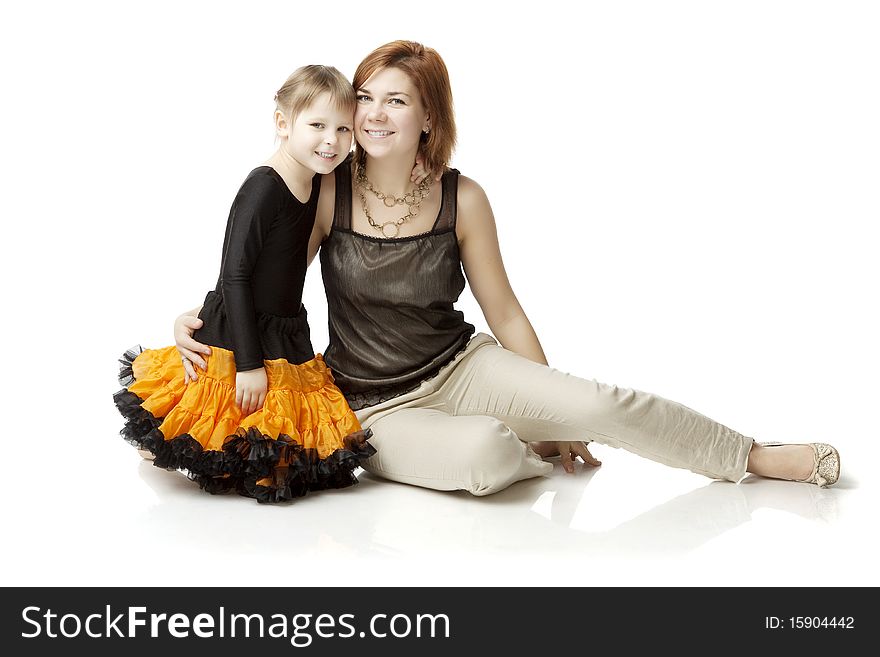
pixel 307 83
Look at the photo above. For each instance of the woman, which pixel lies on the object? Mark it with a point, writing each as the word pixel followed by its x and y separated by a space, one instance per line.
pixel 450 410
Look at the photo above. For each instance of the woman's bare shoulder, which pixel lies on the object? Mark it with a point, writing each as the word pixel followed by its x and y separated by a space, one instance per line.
pixel 473 204
pixel 469 190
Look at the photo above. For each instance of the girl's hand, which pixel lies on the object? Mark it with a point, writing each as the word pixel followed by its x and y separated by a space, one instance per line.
pixel 184 327
pixel 569 452
pixel 250 390
pixel 419 172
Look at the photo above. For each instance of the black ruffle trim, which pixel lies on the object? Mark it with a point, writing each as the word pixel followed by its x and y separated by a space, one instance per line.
pixel 126 376
pixel 247 456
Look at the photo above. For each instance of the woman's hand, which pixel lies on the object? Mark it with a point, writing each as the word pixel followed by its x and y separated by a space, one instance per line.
pixel 250 390
pixel 189 349
pixel 569 452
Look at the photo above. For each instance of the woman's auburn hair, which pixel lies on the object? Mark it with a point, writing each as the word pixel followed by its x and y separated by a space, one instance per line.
pixel 428 73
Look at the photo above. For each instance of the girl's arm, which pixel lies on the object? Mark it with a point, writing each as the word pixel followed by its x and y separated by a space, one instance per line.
pixel 481 259
pixel 255 209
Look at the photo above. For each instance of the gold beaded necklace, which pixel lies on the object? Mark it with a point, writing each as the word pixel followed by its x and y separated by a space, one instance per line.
pixel 412 199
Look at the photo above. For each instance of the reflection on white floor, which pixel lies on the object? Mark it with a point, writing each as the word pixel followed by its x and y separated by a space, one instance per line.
pixel 630 522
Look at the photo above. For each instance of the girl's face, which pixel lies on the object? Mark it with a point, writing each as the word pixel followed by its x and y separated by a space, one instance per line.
pixel 320 137
pixel 390 117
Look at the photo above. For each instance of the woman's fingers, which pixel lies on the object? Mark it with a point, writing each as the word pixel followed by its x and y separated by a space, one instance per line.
pixel 565 453
pixel 183 332
pixel 571 450
pixel 193 357
pixel 189 372
pixel 185 326
pixel 582 450
pixel 186 342
pixel 196 348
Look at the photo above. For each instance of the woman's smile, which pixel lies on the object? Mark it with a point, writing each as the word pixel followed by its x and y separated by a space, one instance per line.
pixel 379 134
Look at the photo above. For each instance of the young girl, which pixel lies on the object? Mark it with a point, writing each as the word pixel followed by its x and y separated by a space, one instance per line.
pixel 264 418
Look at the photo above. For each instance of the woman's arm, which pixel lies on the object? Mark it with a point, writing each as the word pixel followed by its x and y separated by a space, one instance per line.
pixel 481 258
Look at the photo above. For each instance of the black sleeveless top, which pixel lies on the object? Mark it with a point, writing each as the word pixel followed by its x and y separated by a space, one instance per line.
pixel 256 309
pixel 390 301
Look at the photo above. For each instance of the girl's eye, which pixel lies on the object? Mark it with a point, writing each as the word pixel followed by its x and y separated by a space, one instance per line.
pixel 319 126
pixel 344 128
pixel 362 98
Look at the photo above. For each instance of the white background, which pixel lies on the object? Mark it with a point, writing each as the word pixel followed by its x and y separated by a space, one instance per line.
pixel 687 199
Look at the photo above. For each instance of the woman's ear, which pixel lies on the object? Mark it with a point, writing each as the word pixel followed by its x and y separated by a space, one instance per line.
pixel 282 128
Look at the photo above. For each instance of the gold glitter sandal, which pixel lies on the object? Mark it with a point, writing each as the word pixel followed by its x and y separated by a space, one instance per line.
pixel 826 464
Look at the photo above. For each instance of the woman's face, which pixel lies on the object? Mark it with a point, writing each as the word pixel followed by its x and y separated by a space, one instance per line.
pixel 390 117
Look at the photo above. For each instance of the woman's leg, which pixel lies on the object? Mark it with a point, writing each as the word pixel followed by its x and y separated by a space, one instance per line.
pixel 543 404
pixel 429 448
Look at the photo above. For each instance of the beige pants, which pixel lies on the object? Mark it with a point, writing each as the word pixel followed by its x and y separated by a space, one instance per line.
pixel 467 427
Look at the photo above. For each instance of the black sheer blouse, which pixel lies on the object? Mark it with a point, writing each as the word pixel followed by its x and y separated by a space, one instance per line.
pixel 392 320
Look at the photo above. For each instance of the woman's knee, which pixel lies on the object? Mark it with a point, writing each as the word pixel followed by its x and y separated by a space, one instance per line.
pixel 478 454
pixel 493 457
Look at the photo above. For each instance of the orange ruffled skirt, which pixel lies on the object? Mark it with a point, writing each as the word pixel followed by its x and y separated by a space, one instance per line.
pixel 305 437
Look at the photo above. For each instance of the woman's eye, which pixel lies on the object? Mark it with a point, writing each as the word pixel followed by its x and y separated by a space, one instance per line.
pixel 397 101
pixel 362 98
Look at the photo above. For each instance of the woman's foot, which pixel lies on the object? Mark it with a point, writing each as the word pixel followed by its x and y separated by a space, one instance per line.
pixel 814 463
